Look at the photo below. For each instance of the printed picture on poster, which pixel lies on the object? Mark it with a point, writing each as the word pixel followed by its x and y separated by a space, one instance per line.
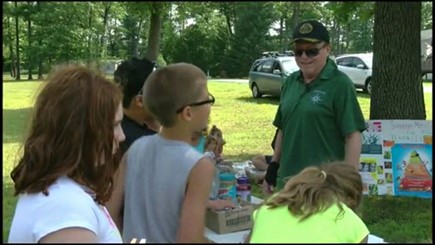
pixel 372 138
pixel 412 170
pixel 372 172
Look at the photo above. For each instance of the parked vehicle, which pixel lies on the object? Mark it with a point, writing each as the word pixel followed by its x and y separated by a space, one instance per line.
pixel 359 69
pixel 267 74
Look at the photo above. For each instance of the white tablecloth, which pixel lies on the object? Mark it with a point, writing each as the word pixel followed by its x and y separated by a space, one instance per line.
pixel 238 237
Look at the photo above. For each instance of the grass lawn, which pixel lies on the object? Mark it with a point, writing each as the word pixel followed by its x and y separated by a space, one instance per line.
pixel 247 128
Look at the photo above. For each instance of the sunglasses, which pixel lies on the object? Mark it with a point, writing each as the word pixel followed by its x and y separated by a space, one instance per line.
pixel 210 101
pixel 310 53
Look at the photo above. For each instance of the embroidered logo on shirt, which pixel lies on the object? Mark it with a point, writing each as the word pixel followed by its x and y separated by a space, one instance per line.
pixel 317 96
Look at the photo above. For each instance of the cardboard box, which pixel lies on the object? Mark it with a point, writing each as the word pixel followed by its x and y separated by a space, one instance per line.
pixel 237 219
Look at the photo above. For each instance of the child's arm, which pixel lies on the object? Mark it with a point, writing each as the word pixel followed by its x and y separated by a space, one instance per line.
pixel 115 205
pixel 192 221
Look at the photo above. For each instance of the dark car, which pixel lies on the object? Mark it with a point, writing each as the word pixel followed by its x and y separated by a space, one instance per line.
pixel 267 75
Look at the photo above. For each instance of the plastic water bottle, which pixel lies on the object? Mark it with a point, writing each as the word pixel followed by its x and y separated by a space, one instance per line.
pixel 244 189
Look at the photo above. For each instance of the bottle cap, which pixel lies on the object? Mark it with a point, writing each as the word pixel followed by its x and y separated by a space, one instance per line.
pixel 227 176
pixel 243 180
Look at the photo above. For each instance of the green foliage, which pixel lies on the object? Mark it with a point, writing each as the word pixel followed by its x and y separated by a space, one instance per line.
pixel 202 43
pixel 226 36
pixel 426 16
pixel 253 21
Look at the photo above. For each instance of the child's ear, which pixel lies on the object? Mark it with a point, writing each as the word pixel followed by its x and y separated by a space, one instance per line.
pixel 186 113
pixel 137 100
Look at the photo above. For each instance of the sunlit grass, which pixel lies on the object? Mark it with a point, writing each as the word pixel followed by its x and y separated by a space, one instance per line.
pixel 247 128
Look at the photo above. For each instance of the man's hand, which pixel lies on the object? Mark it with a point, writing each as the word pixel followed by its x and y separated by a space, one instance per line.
pixel 270 178
pixel 267 189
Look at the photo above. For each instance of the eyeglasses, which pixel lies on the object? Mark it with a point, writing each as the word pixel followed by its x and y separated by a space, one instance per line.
pixel 210 101
pixel 155 66
pixel 310 53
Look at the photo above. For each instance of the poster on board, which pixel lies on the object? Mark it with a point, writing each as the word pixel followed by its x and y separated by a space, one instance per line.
pixel 389 144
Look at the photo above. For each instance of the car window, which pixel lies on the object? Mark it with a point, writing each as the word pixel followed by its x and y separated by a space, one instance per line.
pixel 357 61
pixel 266 66
pixel 289 66
pixel 347 61
pixel 276 66
pixel 256 66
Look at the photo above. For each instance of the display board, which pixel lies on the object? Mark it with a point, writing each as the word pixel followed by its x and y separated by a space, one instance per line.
pixel 396 158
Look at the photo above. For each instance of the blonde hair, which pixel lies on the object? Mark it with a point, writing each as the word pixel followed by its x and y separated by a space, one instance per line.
pixel 169 88
pixel 315 189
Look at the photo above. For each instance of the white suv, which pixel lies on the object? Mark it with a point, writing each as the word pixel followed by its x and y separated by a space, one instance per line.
pixel 359 69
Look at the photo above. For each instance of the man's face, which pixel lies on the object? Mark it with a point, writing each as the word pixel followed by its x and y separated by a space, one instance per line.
pixel 313 58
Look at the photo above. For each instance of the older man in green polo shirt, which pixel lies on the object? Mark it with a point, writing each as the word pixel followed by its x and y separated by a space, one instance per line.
pixel 318 117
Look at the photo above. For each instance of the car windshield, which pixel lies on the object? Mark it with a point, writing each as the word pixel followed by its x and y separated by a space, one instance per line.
pixel 289 66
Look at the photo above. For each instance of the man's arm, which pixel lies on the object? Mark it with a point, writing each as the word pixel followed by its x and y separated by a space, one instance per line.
pixel 353 148
pixel 192 220
pixel 272 169
pixel 277 151
pixel 115 205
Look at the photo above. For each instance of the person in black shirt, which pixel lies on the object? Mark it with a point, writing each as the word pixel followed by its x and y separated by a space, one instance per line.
pixel 130 75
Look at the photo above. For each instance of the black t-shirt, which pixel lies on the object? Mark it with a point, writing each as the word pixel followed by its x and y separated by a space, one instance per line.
pixel 133 131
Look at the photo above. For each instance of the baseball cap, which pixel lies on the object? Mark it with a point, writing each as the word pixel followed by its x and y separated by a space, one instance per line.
pixel 310 31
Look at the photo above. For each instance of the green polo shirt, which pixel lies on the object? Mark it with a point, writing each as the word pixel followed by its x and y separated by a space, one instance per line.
pixel 315 119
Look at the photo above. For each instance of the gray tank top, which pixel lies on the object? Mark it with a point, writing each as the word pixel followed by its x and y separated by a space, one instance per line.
pixel 155 183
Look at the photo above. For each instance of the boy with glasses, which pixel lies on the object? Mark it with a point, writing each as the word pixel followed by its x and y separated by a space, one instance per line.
pixel 167 182
pixel 318 117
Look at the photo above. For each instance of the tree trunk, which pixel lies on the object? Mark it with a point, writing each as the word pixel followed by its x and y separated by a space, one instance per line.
pixel 39 37
pixel 11 48
pixel 397 90
pixel 348 36
pixel 281 29
pixel 136 38
pixel 29 52
pixel 89 60
pixel 338 43
pixel 103 40
pixel 296 14
pixel 155 30
pixel 17 40
pixel 228 19
pixel 335 38
pixel 290 24
pixel 225 9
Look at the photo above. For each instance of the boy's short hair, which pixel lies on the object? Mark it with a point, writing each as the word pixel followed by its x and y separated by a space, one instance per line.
pixel 170 88
pixel 131 75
